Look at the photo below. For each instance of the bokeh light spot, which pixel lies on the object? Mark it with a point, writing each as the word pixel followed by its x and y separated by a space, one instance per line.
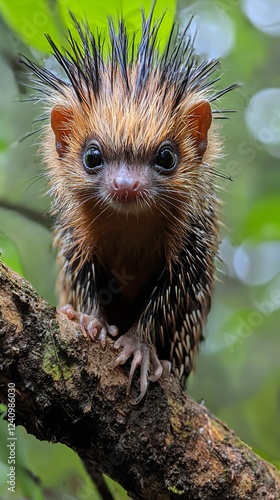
pixel 213 29
pixel 264 15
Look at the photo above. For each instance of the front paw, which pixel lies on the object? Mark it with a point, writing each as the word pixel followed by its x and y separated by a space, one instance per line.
pixel 144 355
pixel 92 325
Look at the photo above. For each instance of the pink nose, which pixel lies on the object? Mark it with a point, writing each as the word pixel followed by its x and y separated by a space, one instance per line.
pixel 125 185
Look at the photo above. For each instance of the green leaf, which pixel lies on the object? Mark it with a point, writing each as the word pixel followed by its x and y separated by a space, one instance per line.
pixel 116 489
pixel 29 484
pixel 97 14
pixel 31 20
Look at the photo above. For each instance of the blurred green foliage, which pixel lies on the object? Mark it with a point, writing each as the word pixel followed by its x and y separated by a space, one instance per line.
pixel 238 370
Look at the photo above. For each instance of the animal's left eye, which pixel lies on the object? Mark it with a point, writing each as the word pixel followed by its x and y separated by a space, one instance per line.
pixel 166 159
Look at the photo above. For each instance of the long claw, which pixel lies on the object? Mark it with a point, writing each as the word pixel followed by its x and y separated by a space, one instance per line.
pixel 157 368
pixel 120 360
pixel 102 337
pixel 143 376
pixel 137 360
pixel 166 368
pixel 156 375
pixel 87 327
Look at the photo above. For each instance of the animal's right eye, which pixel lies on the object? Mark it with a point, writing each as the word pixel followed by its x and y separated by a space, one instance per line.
pixel 92 159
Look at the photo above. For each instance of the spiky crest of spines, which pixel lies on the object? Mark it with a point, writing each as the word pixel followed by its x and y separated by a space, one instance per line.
pixel 89 57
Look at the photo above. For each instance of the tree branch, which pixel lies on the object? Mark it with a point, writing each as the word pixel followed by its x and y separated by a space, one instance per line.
pixel 168 447
pixel 35 216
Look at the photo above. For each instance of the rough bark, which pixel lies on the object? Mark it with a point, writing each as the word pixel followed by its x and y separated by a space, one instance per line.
pixel 168 447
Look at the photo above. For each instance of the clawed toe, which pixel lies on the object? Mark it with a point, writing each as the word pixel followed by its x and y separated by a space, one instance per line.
pixel 102 337
pixel 90 326
pixel 140 358
pixel 143 356
pixel 69 311
pixel 161 368
pixel 166 365
pixel 130 346
pixel 145 361
pixel 94 326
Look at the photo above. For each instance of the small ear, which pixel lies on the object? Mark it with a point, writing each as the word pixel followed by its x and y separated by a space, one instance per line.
pixel 200 121
pixel 61 119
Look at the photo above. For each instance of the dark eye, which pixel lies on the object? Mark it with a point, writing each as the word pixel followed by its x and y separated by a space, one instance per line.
pixel 92 159
pixel 166 159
